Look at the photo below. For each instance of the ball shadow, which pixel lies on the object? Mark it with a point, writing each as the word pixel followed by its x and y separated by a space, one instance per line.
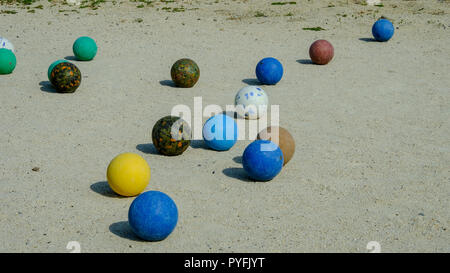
pixel 46 86
pixel 123 230
pixel 169 83
pixel 238 159
pixel 104 189
pixel 71 58
pixel 252 82
pixel 237 173
pixel 231 114
pixel 198 144
pixel 368 40
pixel 305 61
pixel 147 148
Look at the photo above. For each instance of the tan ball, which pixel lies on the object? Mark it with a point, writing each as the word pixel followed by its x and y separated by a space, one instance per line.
pixel 285 141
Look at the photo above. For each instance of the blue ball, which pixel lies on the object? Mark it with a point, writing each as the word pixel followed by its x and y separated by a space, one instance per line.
pixel 382 30
pixel 153 215
pixel 262 160
pixel 269 71
pixel 220 132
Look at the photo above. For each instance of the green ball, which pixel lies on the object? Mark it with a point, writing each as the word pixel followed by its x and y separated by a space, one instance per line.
pixel 85 48
pixel 7 61
pixel 55 63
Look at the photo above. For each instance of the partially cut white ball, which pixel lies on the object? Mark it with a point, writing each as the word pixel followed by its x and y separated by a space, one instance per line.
pixel 251 102
pixel 373 2
pixel 73 2
pixel 5 43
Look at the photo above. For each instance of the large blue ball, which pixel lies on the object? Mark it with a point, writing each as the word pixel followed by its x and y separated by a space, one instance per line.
pixel 220 132
pixel 153 215
pixel 262 160
pixel 382 30
pixel 269 71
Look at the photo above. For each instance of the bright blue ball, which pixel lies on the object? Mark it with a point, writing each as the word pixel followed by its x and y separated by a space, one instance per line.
pixel 269 71
pixel 153 215
pixel 382 30
pixel 220 132
pixel 262 160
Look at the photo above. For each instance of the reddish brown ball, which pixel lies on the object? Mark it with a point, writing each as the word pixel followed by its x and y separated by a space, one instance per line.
pixel 321 52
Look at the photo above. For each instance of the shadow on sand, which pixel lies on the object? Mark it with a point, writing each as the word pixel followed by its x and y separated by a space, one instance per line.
pixel 169 83
pixel 305 61
pixel 46 86
pixel 237 173
pixel 251 81
pixel 103 188
pixel 368 40
pixel 123 230
pixel 148 148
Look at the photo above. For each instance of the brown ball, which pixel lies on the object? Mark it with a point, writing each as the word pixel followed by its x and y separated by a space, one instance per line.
pixel 285 141
pixel 321 52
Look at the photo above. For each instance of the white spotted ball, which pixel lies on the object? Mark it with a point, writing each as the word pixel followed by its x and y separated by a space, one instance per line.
pixel 251 102
pixel 5 43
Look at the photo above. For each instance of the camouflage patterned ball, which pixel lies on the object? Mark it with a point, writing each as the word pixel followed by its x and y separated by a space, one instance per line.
pixel 185 73
pixel 65 77
pixel 171 135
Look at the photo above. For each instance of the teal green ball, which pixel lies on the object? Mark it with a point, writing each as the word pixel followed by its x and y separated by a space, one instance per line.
pixel 55 63
pixel 7 61
pixel 85 48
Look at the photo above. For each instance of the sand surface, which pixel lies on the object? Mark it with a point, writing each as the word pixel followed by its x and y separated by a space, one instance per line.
pixel 372 128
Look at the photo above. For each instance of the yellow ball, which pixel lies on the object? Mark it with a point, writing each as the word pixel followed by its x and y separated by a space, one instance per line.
pixel 128 174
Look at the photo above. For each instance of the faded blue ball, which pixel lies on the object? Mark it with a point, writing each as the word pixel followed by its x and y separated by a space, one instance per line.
pixel 383 30
pixel 153 215
pixel 269 71
pixel 220 132
pixel 262 160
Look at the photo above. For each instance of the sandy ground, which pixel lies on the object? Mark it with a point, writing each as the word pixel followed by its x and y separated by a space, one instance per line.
pixel 372 128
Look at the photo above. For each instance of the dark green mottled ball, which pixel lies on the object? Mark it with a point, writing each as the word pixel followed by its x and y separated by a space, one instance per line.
pixel 185 73
pixel 171 135
pixel 65 77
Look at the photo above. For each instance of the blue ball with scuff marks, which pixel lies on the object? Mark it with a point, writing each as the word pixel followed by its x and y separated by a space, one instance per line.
pixel 262 160
pixel 220 132
pixel 383 30
pixel 269 71
pixel 153 215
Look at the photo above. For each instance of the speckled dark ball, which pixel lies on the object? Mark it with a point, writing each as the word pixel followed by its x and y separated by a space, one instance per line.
pixel 65 77
pixel 185 73
pixel 171 135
